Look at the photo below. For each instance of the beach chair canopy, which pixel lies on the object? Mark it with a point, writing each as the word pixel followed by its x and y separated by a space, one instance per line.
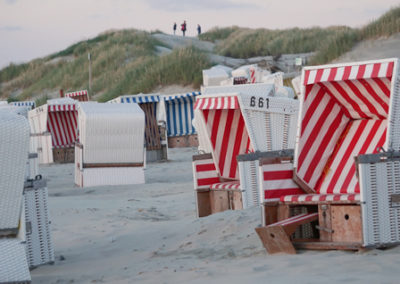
pixel 344 112
pixel 179 113
pixel 111 133
pixel 30 104
pixel 78 95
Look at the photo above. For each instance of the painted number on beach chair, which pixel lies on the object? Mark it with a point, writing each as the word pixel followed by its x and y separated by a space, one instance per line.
pixel 260 102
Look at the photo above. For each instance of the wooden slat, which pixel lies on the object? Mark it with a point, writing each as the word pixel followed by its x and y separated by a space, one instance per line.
pixel 152 134
pixel 112 165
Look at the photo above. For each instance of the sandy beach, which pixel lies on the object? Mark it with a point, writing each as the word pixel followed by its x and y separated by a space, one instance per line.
pixel 150 234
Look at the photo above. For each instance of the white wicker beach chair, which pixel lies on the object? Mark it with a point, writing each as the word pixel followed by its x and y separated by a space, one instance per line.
pixel 346 110
pixel 110 150
pixel 14 149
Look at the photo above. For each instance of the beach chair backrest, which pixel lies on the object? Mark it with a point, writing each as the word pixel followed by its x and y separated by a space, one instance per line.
pixel 179 113
pixel 204 171
pixel 62 122
pixel 344 112
pixel 226 131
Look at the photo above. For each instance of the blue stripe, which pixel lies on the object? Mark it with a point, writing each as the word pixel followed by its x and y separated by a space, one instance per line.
pixel 169 118
pixel 185 105
pixel 180 116
pixel 173 118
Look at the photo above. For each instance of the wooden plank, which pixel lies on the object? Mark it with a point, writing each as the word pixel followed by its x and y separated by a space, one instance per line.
pixel 283 212
pixel 316 245
pixel 325 224
pixel 202 157
pixel 346 223
pixel 203 203
pixel 235 199
pixel 275 240
pixel 270 213
pixel 152 134
pixel 219 201
pixel 112 165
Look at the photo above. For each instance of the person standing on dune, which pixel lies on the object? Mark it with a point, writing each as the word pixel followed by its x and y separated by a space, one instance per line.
pixel 183 28
pixel 174 27
pixel 198 29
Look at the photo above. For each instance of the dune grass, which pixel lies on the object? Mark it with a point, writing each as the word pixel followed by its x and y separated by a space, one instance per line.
pixel 182 66
pixel 245 43
pixel 217 34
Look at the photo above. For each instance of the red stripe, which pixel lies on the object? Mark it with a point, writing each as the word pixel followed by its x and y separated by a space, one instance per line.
pixel 347 98
pixel 207 181
pixel 361 71
pixel 373 94
pixel 322 147
pixel 375 70
pixel 346 73
pixel 225 141
pixel 277 175
pixel 332 74
pixel 205 168
pixel 314 133
pixel 238 144
pixel 361 96
pixel 389 72
pixel 215 128
pixel 322 197
pixel 345 110
pixel 308 198
pixel 65 128
pixel 347 155
pixel 311 109
pixel 306 75
pixel 318 75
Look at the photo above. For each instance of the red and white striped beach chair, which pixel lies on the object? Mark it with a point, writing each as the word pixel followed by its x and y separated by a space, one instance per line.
pixel 81 96
pixel 55 126
pixel 219 112
pixel 346 110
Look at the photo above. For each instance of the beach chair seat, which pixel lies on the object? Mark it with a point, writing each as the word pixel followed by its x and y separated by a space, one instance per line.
pixel 321 198
pixel 232 185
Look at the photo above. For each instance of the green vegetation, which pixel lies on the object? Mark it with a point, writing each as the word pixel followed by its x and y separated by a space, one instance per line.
pixel 217 34
pixel 245 43
pixel 122 62
pixel 182 66
pixel 387 25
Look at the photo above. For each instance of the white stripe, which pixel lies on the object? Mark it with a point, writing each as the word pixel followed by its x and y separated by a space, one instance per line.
pixel 339 74
pixel 353 72
pixel 383 69
pixel 311 77
pixel 368 71
pixel 207 174
pixel 279 184
pixel 325 75
pixel 277 167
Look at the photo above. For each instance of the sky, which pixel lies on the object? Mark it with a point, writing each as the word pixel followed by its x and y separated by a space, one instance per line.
pixel 36 28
